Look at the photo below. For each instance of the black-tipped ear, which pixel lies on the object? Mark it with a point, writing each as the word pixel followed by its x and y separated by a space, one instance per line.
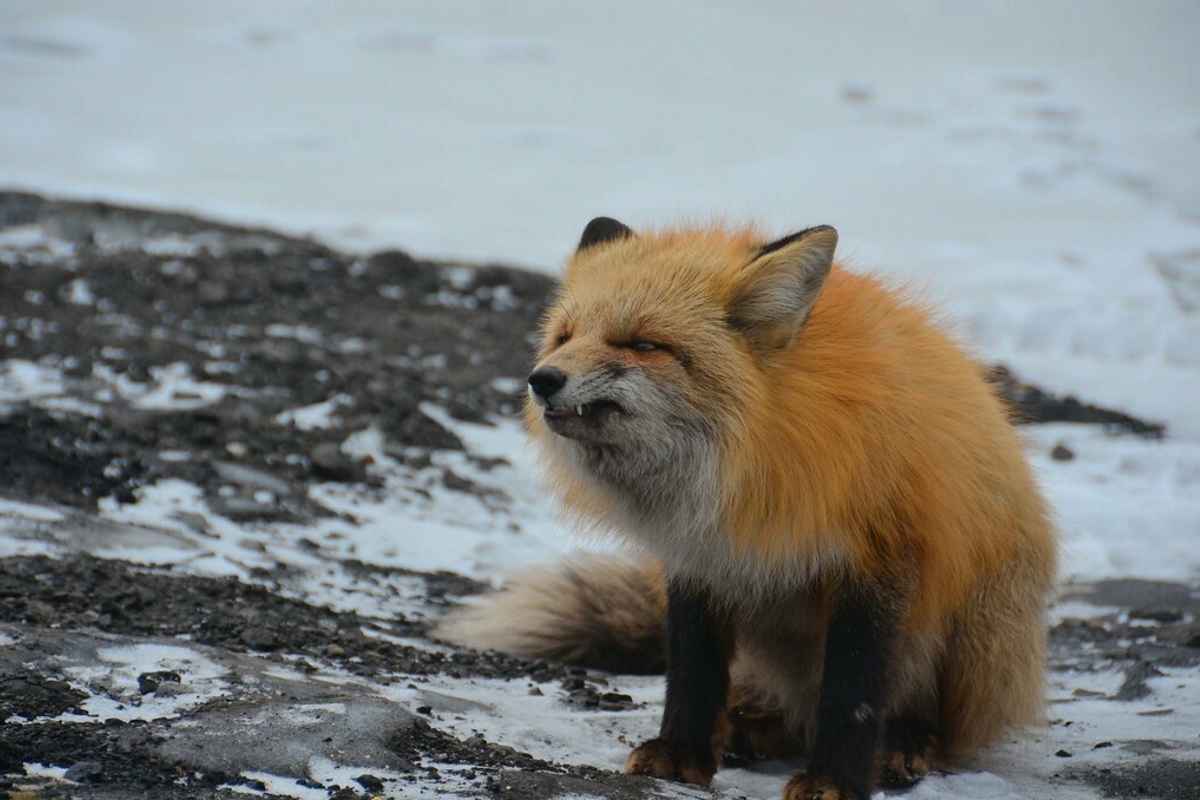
pixel 779 244
pixel 781 285
pixel 602 230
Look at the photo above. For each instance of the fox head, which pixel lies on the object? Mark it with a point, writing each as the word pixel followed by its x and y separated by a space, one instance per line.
pixel 657 339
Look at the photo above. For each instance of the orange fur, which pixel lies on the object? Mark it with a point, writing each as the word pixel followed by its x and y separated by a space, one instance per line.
pixel 850 439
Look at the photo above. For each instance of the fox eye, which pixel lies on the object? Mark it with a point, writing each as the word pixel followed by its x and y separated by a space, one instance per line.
pixel 643 346
pixel 562 338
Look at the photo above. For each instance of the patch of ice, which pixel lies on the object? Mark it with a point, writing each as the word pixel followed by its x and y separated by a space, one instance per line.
pixel 23 237
pixel 1076 609
pixel 352 346
pixel 459 277
pixel 28 530
pixel 16 542
pixel 29 511
pixel 25 381
pixel 171 387
pixel 112 681
pixel 418 522
pixel 171 245
pixel 211 544
pixel 32 243
pixel 541 724
pixel 80 293
pixel 301 333
pixel 70 405
pixel 318 416
pixel 36 770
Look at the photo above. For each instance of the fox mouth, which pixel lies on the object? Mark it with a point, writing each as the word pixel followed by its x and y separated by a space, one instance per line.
pixel 580 410
pixel 584 422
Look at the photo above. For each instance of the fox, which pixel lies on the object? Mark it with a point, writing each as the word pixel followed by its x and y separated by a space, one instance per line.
pixel 841 551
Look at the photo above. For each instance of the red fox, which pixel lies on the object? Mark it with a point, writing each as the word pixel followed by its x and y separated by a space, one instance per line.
pixel 847 554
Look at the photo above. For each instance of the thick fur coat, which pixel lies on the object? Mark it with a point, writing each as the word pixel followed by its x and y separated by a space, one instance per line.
pixel 844 533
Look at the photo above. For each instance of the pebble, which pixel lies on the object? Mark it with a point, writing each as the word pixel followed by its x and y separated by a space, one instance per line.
pixel 152 682
pixel 1062 453
pixel 260 639
pixel 331 464
pixel 84 771
pixel 370 783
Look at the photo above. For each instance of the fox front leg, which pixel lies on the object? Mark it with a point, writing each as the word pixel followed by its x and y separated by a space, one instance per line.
pixel 698 651
pixel 853 699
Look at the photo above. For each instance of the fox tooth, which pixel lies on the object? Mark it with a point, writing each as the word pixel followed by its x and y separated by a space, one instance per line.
pixel 579 409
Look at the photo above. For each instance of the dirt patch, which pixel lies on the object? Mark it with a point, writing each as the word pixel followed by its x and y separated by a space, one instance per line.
pixel 81 592
pixel 119 301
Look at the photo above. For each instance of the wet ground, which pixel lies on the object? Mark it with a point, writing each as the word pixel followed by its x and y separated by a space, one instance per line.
pixel 172 346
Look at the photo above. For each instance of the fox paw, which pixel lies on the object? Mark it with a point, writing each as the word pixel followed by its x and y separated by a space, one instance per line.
pixel 659 758
pixel 901 770
pixel 911 754
pixel 818 787
pixel 755 733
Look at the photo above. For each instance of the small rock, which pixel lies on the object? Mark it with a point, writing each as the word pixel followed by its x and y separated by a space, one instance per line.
pixel 615 701
pixel 1062 453
pixel 243 509
pixel 1063 754
pixel 1157 614
pixel 251 478
pixel 370 783
pixel 260 639
pixel 331 464
pixel 151 682
pixel 78 366
pixel 169 689
pixel 84 771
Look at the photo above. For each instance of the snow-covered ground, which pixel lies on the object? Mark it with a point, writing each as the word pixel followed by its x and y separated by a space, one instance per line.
pixel 1035 167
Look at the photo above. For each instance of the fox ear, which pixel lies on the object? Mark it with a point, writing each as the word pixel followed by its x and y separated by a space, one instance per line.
pixel 781 285
pixel 602 230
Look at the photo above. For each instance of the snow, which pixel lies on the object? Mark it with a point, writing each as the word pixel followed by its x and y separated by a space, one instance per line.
pixel 114 680
pixel 1032 167
pixel 171 386
pixel 318 415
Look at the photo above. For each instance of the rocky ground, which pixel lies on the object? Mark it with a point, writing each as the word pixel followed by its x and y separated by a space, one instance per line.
pixel 142 348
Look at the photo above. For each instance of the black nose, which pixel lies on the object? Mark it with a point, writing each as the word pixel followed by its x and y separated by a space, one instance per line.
pixel 545 381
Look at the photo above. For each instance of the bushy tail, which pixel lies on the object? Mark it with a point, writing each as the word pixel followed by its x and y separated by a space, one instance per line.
pixel 603 612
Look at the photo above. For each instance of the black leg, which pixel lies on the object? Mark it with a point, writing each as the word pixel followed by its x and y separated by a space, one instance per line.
pixel 698 650
pixel 697 670
pixel 854 687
